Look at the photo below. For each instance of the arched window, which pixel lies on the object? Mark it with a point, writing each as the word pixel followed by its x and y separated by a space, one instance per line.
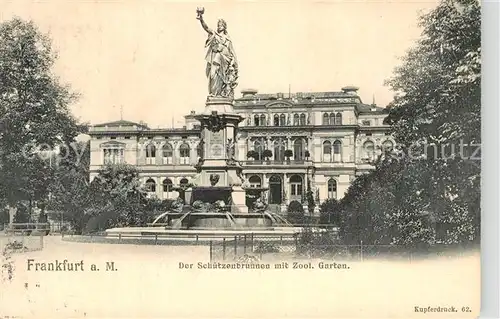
pixel 259 145
pixel 276 120
pixel 282 120
pixel 387 146
pixel 332 188
pixel 296 119
pixel 332 118
pixel 327 151
pixel 275 190
pixel 167 185
pixel 296 187
pixel 255 181
pixel 199 150
pixel 337 151
pixel 151 186
pixel 302 119
pixel 368 150
pixel 184 153
pixel 256 120
pixel 263 120
pixel 326 121
pixel 298 149
pixel 150 153
pixel 279 149
pixel 338 119
pixel 167 152
pixel 183 182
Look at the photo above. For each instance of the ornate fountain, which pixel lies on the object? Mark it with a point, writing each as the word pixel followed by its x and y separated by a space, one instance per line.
pixel 217 199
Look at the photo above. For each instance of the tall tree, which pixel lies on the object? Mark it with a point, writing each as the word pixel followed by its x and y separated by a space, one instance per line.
pixel 70 191
pixel 34 113
pixel 412 199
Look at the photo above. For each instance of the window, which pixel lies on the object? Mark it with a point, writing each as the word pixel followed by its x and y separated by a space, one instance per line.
pixel 298 149
pixel 296 119
pixel 256 120
pixel 366 123
pixel 337 151
pixel 184 153
pixel 387 146
pixel 113 138
pixel 327 151
pixel 296 186
pixel 255 181
pixel 150 153
pixel 150 186
pixel 279 149
pixel 127 137
pixel 263 120
pixel 259 146
pixel 199 150
pixel 276 120
pixel 282 120
pixel 113 156
pixel 325 119
pixel 167 185
pixel 302 119
pixel 368 134
pixel 368 150
pixel 338 119
pixel 332 188
pixel 183 182
pixel 332 118
pixel 167 154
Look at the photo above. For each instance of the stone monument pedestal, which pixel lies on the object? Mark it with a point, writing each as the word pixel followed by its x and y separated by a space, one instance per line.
pixel 218 167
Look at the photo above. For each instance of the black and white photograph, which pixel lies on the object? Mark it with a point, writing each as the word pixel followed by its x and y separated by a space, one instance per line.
pixel 240 159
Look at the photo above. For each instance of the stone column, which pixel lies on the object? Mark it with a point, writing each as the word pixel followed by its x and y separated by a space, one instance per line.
pixel 269 143
pixel 175 152
pixel 159 153
pixel 159 187
pixel 193 145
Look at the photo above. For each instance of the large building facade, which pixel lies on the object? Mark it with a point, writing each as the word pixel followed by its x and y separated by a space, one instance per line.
pixel 287 143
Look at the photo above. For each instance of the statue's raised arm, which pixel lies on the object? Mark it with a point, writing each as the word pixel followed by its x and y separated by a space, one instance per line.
pixel 200 12
pixel 222 65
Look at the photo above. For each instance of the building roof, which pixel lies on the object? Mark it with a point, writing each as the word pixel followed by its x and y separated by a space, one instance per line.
pixel 121 123
pixel 370 108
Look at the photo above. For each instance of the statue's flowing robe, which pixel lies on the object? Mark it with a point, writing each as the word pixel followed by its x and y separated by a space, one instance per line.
pixel 221 63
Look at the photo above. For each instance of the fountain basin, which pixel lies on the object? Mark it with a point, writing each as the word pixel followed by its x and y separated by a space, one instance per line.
pixel 212 220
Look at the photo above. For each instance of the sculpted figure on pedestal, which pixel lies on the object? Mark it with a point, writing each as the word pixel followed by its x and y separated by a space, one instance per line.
pixel 222 65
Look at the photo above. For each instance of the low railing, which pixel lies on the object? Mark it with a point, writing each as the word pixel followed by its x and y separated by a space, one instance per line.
pixel 27 228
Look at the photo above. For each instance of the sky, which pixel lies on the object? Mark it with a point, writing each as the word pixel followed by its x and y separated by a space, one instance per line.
pixel 143 60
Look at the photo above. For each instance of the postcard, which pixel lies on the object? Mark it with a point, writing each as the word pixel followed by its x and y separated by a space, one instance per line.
pixel 238 159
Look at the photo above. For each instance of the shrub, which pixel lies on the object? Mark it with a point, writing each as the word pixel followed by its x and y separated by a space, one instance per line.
pixel 295 207
pixel 288 153
pixel 253 154
pixel 307 154
pixel 296 218
pixel 267 247
pixel 267 154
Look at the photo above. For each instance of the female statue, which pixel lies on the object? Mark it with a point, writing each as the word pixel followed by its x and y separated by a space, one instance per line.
pixel 222 66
